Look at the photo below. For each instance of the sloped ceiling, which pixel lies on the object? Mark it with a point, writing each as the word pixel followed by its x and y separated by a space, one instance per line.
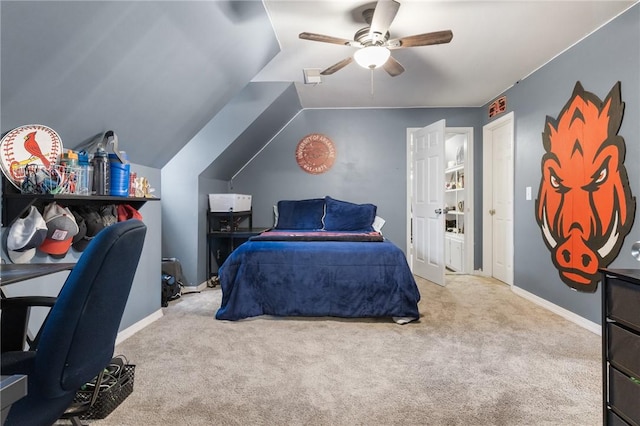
pixel 155 72
pixel 273 118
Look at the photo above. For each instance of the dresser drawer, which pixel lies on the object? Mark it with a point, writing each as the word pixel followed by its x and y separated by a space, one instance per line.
pixel 624 349
pixel 624 396
pixel 623 302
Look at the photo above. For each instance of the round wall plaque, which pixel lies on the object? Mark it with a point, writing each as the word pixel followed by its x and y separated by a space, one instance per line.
pixel 315 153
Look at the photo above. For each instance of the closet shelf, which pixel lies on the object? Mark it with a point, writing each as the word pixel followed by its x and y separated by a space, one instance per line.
pixel 454 168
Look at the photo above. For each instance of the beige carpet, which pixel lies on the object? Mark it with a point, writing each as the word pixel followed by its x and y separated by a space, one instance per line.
pixel 479 355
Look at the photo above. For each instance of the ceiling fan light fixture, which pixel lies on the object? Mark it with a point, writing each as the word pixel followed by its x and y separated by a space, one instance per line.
pixel 372 56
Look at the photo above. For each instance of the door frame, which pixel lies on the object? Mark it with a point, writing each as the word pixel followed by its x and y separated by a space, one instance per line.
pixel 487 192
pixel 469 255
pixel 409 192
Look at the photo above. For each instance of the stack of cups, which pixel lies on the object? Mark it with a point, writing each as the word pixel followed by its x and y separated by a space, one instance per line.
pixel 119 175
pixel 69 159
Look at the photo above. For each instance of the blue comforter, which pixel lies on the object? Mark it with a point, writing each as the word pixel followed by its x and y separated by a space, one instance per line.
pixel 332 278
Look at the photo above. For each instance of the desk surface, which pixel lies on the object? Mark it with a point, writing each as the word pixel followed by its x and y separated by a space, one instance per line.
pixel 12 388
pixel 13 273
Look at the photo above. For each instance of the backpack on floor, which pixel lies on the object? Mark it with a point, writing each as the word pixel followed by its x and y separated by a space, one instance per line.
pixel 171 289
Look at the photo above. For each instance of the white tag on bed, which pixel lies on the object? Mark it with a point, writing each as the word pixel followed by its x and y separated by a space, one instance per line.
pixel 378 223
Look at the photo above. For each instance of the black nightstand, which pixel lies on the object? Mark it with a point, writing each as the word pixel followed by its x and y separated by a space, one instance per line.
pixel 225 232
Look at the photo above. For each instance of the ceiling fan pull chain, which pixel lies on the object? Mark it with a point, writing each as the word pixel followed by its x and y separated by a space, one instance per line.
pixel 371 82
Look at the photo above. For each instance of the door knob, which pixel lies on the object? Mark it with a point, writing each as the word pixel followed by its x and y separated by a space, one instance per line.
pixel 438 211
pixel 492 212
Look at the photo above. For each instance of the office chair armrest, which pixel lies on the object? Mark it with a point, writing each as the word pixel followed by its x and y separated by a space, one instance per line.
pixel 15 320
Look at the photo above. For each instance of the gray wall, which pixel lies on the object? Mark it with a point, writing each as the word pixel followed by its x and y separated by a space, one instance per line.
pixel 146 291
pixel 611 54
pixel 144 299
pixel 370 166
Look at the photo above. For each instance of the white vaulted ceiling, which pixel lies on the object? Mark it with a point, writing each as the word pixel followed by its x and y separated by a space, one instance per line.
pixel 495 44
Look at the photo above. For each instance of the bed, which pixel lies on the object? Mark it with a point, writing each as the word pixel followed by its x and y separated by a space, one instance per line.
pixel 322 258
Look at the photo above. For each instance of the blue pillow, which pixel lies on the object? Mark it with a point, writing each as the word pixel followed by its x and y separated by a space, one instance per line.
pixel 345 216
pixel 300 214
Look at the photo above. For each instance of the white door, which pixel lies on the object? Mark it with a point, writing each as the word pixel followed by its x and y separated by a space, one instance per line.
pixel 427 256
pixel 498 199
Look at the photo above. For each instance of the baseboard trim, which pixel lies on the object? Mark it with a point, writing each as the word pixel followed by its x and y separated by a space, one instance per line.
pixel 566 314
pixel 133 329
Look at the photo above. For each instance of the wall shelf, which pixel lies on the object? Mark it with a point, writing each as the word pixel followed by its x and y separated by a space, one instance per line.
pixel 454 196
pixel 15 204
pixel 454 235
pixel 454 168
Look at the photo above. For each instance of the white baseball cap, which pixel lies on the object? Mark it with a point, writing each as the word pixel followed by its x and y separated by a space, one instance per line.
pixel 25 235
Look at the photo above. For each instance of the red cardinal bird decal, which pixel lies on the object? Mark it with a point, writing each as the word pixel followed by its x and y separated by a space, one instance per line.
pixel 31 145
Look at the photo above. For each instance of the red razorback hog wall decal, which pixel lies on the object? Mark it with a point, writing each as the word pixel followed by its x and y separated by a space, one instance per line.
pixel 584 206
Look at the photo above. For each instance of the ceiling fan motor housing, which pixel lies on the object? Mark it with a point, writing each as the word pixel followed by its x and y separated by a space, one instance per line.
pixel 364 37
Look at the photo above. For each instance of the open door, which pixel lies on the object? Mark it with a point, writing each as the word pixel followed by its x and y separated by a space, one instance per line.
pixel 427 256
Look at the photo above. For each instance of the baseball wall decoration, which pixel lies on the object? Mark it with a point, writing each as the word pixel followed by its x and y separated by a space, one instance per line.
pixel 315 153
pixel 30 144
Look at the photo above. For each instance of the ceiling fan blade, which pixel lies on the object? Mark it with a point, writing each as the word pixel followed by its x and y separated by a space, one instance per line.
pixel 427 39
pixel 338 66
pixel 325 38
pixel 383 16
pixel 393 67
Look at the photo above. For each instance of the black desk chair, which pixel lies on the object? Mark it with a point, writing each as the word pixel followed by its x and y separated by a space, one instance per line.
pixel 78 337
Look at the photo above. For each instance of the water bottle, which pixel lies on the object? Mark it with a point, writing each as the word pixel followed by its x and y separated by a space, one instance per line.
pixel 85 181
pixel 101 172
pixel 119 178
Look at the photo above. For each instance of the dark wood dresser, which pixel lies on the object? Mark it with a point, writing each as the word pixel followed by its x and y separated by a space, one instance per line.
pixel 621 346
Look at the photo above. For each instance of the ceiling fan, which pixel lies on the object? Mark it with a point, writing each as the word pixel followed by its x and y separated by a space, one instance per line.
pixel 373 42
